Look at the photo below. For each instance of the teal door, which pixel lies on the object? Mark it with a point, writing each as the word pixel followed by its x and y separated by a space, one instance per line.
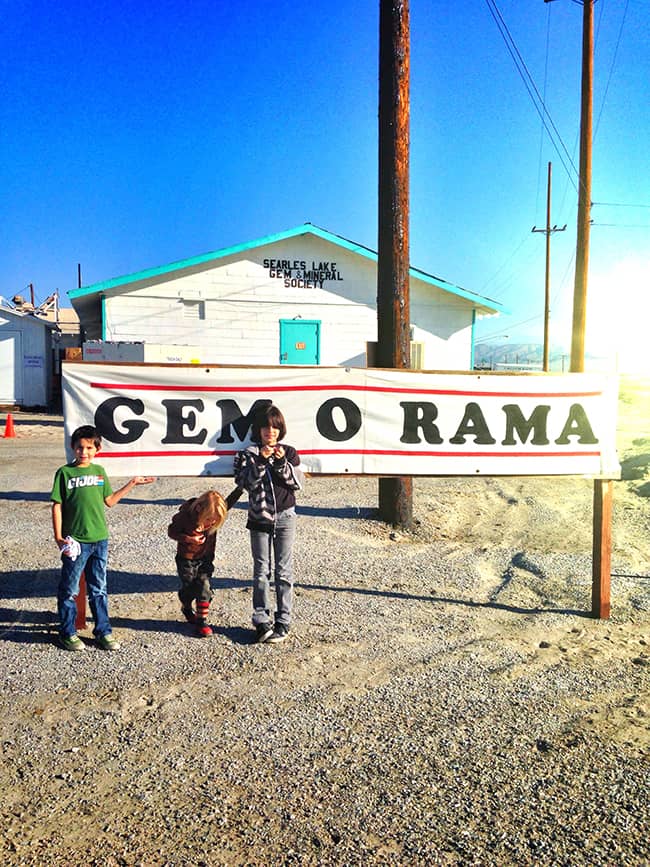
pixel 299 341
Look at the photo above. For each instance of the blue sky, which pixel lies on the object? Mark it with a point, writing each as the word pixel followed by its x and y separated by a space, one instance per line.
pixel 134 134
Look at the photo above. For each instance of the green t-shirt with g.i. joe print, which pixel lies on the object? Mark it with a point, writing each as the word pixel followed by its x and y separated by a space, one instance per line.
pixel 81 492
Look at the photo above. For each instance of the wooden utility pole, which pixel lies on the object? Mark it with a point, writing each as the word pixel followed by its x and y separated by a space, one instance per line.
pixel 584 192
pixel 603 488
pixel 393 316
pixel 547 283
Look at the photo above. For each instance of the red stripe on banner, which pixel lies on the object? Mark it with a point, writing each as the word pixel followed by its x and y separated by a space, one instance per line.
pixel 413 454
pixel 398 452
pixel 166 454
pixel 369 388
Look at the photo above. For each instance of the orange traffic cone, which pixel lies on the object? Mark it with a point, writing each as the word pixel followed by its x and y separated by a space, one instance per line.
pixel 9 427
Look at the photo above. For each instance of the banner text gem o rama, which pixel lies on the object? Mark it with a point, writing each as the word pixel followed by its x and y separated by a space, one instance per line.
pixel 190 420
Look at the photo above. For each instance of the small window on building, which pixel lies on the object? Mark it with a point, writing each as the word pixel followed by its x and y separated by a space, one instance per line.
pixel 193 309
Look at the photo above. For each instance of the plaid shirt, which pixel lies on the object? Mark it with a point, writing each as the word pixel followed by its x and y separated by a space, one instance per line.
pixel 270 484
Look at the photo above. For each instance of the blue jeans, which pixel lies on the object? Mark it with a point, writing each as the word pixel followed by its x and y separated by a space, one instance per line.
pixel 92 560
pixel 280 543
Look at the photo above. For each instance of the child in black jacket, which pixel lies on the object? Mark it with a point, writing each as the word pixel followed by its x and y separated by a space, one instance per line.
pixel 269 471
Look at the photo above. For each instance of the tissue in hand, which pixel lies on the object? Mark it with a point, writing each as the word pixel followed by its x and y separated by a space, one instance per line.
pixel 72 548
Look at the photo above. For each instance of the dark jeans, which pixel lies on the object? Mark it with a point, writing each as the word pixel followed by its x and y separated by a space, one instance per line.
pixel 195 580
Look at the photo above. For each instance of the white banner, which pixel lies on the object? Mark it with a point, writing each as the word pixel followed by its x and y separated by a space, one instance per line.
pixel 176 420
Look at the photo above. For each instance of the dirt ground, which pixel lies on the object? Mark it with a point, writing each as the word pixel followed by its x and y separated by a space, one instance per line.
pixel 483 606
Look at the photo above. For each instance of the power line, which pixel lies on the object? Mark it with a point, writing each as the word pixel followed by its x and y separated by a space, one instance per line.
pixel 623 225
pixel 530 86
pixel 541 133
pixel 510 327
pixel 611 69
pixel 503 265
pixel 619 205
pixel 562 281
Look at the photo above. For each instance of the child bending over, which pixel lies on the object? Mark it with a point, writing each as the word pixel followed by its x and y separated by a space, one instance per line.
pixel 194 528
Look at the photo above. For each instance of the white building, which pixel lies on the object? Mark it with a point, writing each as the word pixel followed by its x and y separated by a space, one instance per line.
pixel 25 358
pixel 304 296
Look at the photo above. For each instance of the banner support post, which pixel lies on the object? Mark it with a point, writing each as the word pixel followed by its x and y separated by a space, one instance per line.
pixel 602 548
pixel 80 622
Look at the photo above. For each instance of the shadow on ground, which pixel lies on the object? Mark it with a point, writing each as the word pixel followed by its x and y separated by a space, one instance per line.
pixel 22 624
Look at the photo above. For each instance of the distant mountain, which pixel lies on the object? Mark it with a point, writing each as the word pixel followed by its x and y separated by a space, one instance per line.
pixel 487 356
pixel 529 356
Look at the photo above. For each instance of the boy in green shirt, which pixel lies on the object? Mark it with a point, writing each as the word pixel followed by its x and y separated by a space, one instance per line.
pixel 80 492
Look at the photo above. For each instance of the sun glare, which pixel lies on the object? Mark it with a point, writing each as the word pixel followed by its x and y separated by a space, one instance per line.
pixel 618 308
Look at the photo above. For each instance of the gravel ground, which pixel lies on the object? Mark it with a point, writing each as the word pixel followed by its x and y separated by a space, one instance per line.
pixel 443 698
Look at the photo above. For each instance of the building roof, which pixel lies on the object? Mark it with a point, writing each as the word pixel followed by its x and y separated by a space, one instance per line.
pixel 68 319
pixel 86 300
pixel 28 315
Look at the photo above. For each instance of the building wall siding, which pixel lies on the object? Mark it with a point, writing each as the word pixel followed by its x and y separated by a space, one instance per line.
pixel 30 379
pixel 242 301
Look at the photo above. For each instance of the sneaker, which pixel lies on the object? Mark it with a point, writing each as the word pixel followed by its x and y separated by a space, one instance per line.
pixel 279 633
pixel 263 631
pixel 72 642
pixel 107 642
pixel 189 615
pixel 203 630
